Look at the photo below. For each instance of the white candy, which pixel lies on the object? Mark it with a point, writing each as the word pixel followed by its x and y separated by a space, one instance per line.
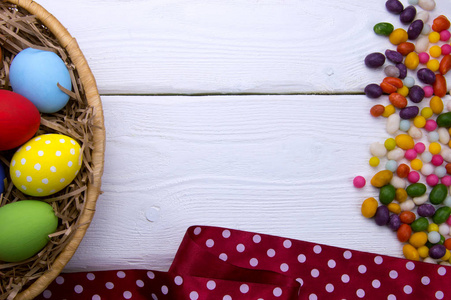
pixel 427 4
pixel 448 103
pixel 447 201
pixel 378 149
pixel 422 15
pixel 393 123
pixel 396 154
pixel 422 44
pixel 407 205
pixel 445 263
pixel 427 169
pixel 446 154
pixel 429 260
pixel 398 182
pixel 443 229
pixel 415 133
pixel 421 199
pixel 443 135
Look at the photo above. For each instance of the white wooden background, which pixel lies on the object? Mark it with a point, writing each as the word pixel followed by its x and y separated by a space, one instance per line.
pixel 242 113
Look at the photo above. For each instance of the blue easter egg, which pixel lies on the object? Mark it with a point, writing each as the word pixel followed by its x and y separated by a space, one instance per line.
pixel 2 178
pixel 35 74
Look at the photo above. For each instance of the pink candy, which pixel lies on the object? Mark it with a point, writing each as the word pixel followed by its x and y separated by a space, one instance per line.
pixel 359 182
pixel 432 180
pixel 445 35
pixel 413 177
pixel 428 91
pixel 424 57
pixel 419 147
pixel 431 125
pixel 446 49
pixel 437 160
pixel 410 154
pixel 446 180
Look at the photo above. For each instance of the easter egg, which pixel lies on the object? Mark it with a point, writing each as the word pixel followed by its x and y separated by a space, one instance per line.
pixel 2 178
pixel 24 229
pixel 19 120
pixel 35 74
pixel 46 164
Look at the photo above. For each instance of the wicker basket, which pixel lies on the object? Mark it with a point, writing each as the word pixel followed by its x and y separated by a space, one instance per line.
pixel 67 42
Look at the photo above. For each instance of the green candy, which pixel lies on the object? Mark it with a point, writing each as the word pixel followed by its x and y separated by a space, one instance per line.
pixel 387 194
pixel 438 194
pixel 441 215
pixel 383 28
pixel 444 120
pixel 416 189
pixel 420 224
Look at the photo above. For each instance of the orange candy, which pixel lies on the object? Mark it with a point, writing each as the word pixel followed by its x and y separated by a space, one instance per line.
pixel 440 23
pixel 391 84
pixel 447 244
pixel 407 217
pixel 403 170
pixel 377 110
pixel 403 233
pixel 445 64
pixel 398 100
pixel 439 86
pixel 405 48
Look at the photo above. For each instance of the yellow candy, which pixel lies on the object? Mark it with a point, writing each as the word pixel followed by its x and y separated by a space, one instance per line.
pixel 412 61
pixel 447 255
pixel 381 178
pixel 416 164
pixel 435 148
pixel 394 208
pixel 418 239
pixel 435 51
pixel 389 110
pixel 390 144
pixel 423 251
pixel 433 65
pixel 374 161
pixel 434 37
pixel 403 91
pixel 432 227
pixel 410 252
pixel 436 104
pixel 419 121
pixel 404 141
pixel 427 112
pixel 400 195
pixel 369 207
pixel 398 36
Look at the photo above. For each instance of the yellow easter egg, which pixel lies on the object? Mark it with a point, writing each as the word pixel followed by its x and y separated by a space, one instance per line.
pixel 45 164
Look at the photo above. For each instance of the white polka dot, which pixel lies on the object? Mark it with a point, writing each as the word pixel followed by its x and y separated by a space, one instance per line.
pixel 62 141
pixel 120 274
pixel 314 273
pixel 331 263
pixel 70 163
pixel 164 290
pixel 410 266
pixel 59 280
pixel 24 187
pixel 39 190
pixel 226 297
pixel 47 294
pixel 362 269
pixel 47 142
pixel 140 283
pixel 439 295
pixel 301 282
pixel 90 276
pixel 211 285
pixel 376 284
pixel 360 293
pixel 226 234
pixel 23 161
pixel 209 243
pixel 330 287
pixel 347 254
pixel 223 256
pixel 58 153
pixel 317 249
pixel 407 289
pixel 277 292
pixel 29 179
pixel 345 278
pixel 244 288
pixel 154 297
pixel 197 230
pixel 193 295
pixel 151 274
pixel 240 248
pixel 72 142
pixel 28 148
pixel 253 262
pixel 178 280
pixel 425 280
pixel 393 274
pixel 96 297
pixel 18 173
pixel 45 181
pixel 287 244
pixel 257 238
pixel 41 153
pixel 78 289
pixel 53 169
pixel 109 285
pixel 312 297
pixel 37 166
pixel 72 151
pixel 37 139
pixel 378 260
pixel 13 162
pixel 391 297
pixel 441 271
pixel 284 267
pixel 62 180
pixel 271 252
pixel 127 295
pixel 302 258
pixel 52 191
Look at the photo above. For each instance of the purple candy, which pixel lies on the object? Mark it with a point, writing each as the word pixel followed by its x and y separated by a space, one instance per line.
pixel 415 29
pixel 382 215
pixel 374 60
pixel 394 6
pixel 394 222
pixel 409 112
pixel 373 91
pixel 394 56
pixel 408 15
pixel 426 210
pixel 402 70
pixel 437 251
pixel 426 75
pixel 416 94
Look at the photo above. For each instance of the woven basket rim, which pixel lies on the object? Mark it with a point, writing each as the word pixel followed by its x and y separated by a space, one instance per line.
pixel 69 43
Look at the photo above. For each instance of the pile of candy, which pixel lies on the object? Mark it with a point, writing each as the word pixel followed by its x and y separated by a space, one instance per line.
pixel 413 198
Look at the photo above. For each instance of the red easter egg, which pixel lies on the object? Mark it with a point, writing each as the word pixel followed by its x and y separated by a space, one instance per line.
pixel 19 120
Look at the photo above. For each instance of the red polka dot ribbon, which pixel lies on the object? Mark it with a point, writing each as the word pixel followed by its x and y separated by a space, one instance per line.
pixel 225 264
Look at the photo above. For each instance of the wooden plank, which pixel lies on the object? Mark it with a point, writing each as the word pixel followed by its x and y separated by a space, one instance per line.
pixel 234 47
pixel 279 165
